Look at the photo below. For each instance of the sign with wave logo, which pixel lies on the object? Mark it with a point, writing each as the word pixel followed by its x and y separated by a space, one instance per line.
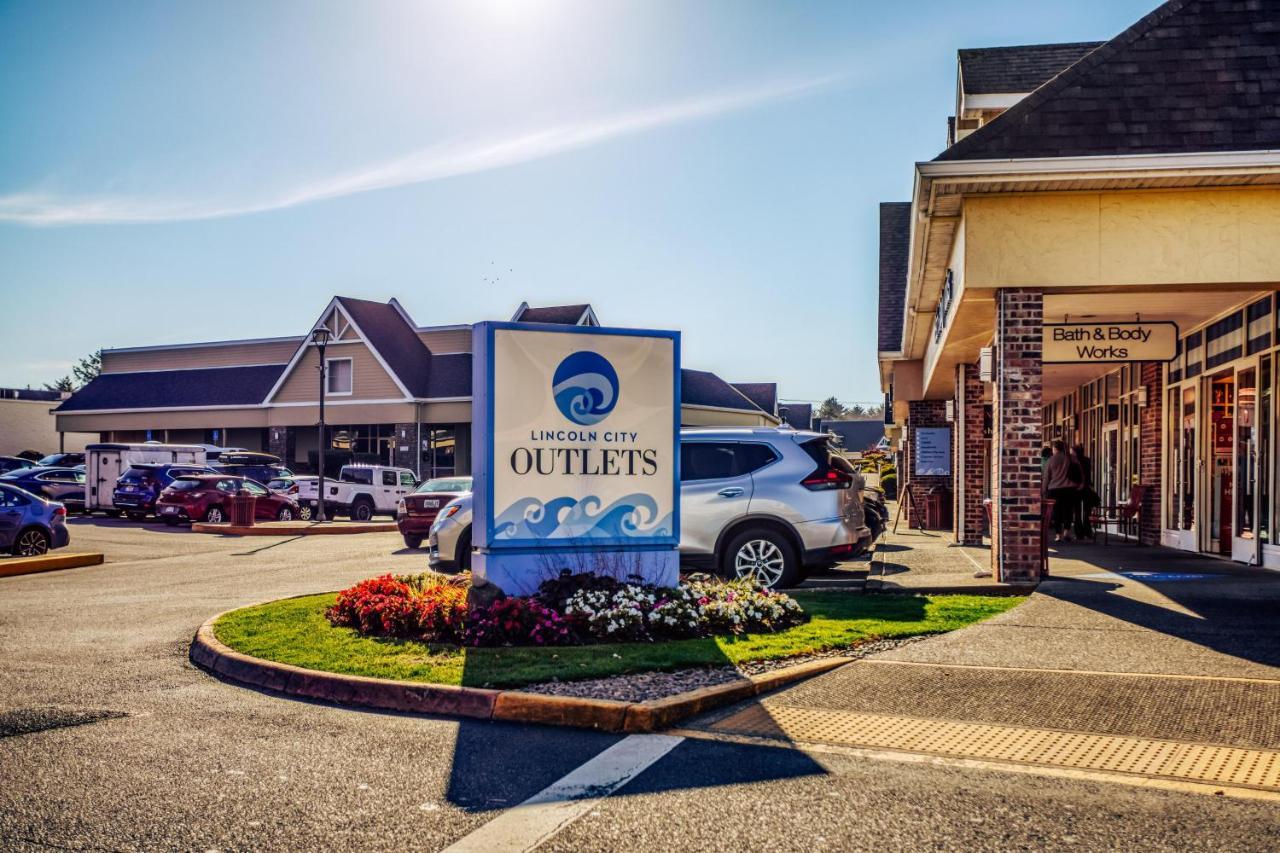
pixel 576 456
pixel 585 386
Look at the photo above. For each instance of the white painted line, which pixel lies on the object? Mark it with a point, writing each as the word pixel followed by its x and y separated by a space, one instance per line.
pixel 540 817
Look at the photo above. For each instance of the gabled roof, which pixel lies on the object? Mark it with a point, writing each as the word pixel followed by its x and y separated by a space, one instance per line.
pixel 855 435
pixel 895 241
pixel 568 315
pixel 386 331
pixel 799 415
pixel 1012 70
pixel 450 375
pixel 703 388
pixel 1192 76
pixel 168 389
pixel 763 394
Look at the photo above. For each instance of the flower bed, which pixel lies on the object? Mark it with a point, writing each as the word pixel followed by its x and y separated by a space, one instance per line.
pixel 570 610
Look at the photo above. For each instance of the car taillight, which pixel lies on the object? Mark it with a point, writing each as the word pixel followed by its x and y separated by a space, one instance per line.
pixel 827 478
pixel 59 510
pixel 293 490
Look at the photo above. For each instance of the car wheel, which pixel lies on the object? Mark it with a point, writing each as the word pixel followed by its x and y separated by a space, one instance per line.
pixel 285 514
pixel 764 555
pixel 215 515
pixel 137 516
pixel 361 510
pixel 305 512
pixel 464 552
pixel 31 542
pixel 412 541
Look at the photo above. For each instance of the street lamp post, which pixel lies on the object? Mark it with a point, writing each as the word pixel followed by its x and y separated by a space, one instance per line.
pixel 320 337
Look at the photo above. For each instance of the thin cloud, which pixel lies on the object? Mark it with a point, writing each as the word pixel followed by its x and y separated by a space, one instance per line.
pixel 428 164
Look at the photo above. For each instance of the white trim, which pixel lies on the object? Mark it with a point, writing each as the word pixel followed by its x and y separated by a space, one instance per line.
pixel 245 406
pixel 455 327
pixel 752 411
pixel 379 402
pixel 589 314
pixel 302 347
pixel 1100 163
pixel 374 351
pixel 328 376
pixel 444 399
pixel 162 347
pixel 184 369
pixel 248 406
pixel 990 101
pixel 523 307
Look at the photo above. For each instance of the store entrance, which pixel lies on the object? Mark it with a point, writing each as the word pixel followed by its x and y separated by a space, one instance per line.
pixel 1244 533
pixel 1221 480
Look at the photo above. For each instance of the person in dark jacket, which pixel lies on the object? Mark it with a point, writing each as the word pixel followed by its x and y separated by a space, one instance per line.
pixel 1062 484
pixel 1087 498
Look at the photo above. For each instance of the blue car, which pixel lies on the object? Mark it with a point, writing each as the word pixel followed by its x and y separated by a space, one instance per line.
pixel 29 524
pixel 137 489
pixel 64 485
pixel 14 463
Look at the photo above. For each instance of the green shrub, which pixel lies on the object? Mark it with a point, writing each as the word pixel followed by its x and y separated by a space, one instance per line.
pixel 889 483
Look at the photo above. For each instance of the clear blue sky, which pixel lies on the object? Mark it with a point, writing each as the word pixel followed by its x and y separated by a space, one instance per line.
pixel 183 171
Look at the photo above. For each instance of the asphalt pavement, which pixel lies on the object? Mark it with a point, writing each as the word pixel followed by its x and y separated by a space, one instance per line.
pixel 111 740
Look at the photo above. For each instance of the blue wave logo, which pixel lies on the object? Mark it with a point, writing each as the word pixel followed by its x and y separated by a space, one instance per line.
pixel 634 516
pixel 585 386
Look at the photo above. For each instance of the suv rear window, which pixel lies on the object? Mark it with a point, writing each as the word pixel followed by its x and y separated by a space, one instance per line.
pixel 137 475
pixel 715 460
pixel 357 475
pixel 183 484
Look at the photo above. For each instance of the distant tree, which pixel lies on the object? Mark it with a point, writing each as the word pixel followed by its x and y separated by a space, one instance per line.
pixel 88 368
pixel 63 384
pixel 831 410
pixel 856 412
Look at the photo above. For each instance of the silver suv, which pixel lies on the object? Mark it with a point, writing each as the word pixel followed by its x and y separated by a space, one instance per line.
pixel 767 502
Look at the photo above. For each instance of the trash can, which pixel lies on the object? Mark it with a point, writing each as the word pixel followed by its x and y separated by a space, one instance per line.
pixel 242 508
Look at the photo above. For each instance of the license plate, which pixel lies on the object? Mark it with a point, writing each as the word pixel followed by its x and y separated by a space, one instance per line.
pixel 126 488
pixel 169 510
pixel 430 504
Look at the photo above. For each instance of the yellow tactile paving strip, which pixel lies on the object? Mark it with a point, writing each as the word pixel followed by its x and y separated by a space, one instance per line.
pixel 1205 763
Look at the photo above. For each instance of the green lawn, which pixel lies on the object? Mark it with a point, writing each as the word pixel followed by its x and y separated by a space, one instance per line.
pixel 294 631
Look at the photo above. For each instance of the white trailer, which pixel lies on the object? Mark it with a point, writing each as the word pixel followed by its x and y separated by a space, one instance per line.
pixel 104 463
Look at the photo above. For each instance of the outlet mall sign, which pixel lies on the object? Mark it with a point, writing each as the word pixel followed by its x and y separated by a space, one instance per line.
pixel 576 453
pixel 1104 343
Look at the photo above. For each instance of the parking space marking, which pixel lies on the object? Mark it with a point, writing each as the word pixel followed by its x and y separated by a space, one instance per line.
pixel 540 817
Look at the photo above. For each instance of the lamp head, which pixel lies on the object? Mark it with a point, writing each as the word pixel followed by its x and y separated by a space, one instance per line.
pixel 321 336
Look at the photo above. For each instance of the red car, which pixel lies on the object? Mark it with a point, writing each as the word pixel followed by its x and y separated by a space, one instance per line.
pixel 416 512
pixel 207 497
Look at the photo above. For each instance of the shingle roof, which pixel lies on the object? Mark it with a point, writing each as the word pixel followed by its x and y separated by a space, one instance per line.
pixel 1025 68
pixel 568 315
pixel 702 388
pixel 855 435
pixel 895 240
pixel 386 330
pixel 162 389
pixel 799 415
pixel 1192 76
pixel 450 375
pixel 763 394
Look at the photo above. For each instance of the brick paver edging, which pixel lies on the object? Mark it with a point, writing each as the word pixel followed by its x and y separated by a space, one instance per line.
pixel 14 566
pixel 208 653
pixel 296 528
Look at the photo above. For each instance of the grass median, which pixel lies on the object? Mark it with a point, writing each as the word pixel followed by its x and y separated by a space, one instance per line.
pixel 294 631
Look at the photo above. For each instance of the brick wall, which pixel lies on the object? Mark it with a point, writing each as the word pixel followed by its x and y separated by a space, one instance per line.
pixel 923 413
pixel 282 442
pixel 405 446
pixel 1018 395
pixel 1151 431
pixel 968 519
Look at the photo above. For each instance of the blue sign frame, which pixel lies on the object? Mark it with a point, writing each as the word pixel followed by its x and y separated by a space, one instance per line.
pixel 482 375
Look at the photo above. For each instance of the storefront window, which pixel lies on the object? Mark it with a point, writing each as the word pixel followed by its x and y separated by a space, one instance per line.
pixel 1264 451
pixel 1187 455
pixel 1174 476
pixel 439 452
pixel 1246 451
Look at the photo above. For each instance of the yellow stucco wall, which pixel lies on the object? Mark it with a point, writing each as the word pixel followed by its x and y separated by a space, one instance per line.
pixel 28 425
pixel 693 416
pixel 1227 237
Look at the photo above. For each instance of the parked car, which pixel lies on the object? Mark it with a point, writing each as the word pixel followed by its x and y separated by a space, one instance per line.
pixel 14 463
pixel 139 487
pixel 362 491
pixel 106 463
pixel 260 467
pixel 769 503
pixel 29 524
pixel 287 484
pixel 65 485
pixel 417 511
pixel 207 497
pixel 62 460
pixel 873 507
pixel 450 543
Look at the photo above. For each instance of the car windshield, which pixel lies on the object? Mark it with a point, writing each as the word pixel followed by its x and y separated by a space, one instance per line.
pixel 185 484
pixel 447 484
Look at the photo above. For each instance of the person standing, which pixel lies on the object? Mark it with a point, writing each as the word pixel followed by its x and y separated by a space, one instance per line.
pixel 1060 486
pixel 1087 497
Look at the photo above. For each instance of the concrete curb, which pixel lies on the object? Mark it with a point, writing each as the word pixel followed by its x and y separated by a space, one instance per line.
pixel 608 715
pixel 15 566
pixel 875 586
pixel 296 528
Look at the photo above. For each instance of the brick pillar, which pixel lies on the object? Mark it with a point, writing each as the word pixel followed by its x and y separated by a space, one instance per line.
pixel 405 447
pixel 968 518
pixel 923 413
pixel 282 442
pixel 1151 436
pixel 1017 402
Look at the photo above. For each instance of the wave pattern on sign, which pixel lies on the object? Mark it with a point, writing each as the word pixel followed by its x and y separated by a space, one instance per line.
pixel 634 516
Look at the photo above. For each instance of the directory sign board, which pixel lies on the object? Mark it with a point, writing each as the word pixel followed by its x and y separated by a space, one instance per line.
pixel 576 448
pixel 933 452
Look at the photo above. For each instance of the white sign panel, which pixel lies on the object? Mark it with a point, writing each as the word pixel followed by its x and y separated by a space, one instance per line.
pixel 1105 343
pixel 577 442
pixel 933 451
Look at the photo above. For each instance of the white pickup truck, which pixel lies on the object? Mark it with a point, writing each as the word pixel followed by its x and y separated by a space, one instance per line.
pixel 361 491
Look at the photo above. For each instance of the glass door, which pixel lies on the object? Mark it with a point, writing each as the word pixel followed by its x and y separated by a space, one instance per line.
pixel 1244 533
pixel 1221 480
